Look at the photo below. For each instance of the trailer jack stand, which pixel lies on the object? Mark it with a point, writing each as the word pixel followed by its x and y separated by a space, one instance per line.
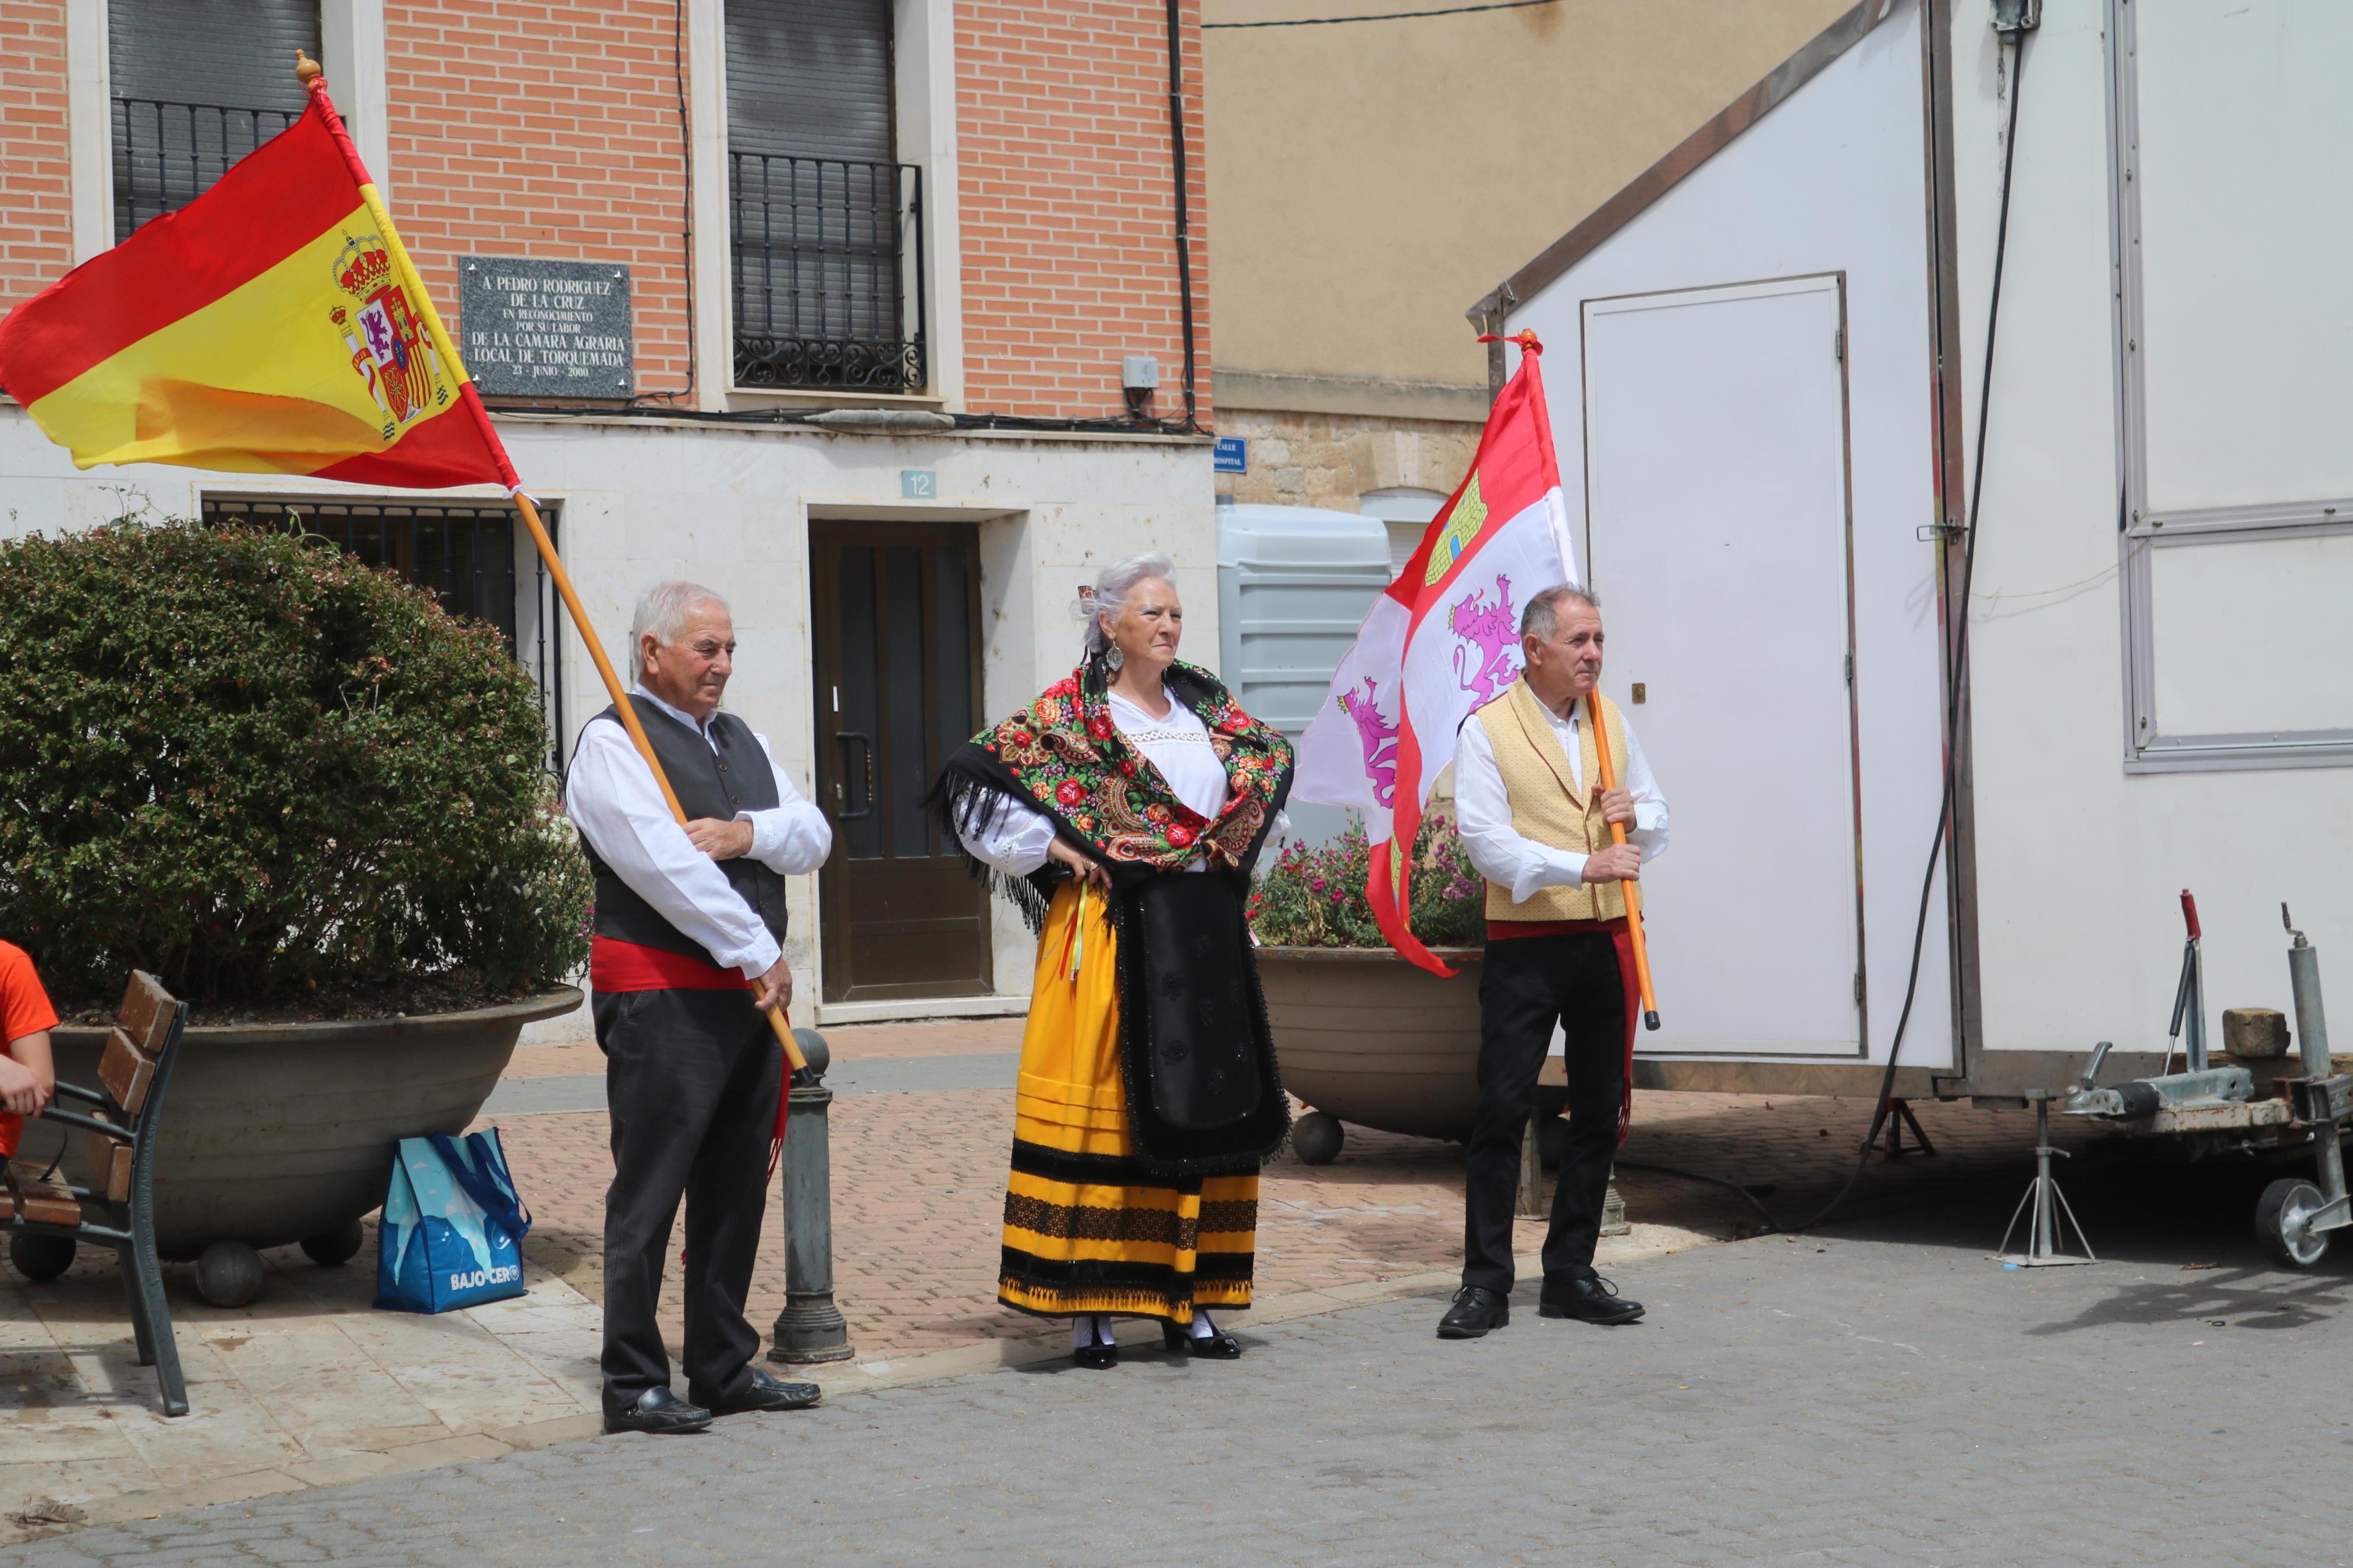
pixel 2046 1205
pixel 1896 1117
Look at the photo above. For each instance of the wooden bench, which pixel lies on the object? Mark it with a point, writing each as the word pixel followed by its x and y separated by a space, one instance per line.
pixel 117 1210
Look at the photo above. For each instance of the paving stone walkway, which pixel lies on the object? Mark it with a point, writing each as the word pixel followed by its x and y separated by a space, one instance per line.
pixel 1884 1393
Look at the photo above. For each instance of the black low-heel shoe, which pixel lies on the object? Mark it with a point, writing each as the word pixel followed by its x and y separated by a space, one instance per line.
pixel 1217 1345
pixel 1095 1358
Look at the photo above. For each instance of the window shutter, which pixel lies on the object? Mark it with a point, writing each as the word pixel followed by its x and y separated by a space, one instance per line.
pixel 238 54
pixel 197 85
pixel 810 78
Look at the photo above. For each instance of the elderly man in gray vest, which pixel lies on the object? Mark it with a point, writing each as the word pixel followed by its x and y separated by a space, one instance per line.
pixel 687 954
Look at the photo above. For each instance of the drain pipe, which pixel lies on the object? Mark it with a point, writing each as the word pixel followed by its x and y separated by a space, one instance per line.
pixel 1183 205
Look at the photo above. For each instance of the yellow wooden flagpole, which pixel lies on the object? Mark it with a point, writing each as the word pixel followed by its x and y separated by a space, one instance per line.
pixel 1632 891
pixel 627 712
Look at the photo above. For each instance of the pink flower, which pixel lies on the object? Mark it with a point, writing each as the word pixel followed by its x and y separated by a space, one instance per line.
pixel 1316 883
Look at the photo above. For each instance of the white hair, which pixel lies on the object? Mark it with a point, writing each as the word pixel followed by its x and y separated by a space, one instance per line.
pixel 1542 617
pixel 1109 594
pixel 661 613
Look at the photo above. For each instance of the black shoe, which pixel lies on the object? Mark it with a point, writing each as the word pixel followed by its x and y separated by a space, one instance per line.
pixel 765 1393
pixel 1476 1309
pixel 1094 1358
pixel 1214 1345
pixel 1588 1298
pixel 656 1410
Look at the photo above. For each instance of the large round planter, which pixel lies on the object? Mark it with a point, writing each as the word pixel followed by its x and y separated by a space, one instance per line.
pixel 277 1132
pixel 1370 1038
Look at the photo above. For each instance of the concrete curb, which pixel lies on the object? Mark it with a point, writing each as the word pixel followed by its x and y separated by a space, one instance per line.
pixel 1646 1242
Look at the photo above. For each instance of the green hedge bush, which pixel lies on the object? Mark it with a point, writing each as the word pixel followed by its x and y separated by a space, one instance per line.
pixel 270 775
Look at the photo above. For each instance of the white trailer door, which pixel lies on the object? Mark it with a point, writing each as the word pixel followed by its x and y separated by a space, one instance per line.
pixel 1717 535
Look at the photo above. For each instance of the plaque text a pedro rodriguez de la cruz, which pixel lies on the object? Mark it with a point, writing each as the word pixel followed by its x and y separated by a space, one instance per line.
pixel 546 329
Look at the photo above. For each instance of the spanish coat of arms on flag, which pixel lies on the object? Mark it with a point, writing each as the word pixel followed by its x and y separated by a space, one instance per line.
pixel 1441 642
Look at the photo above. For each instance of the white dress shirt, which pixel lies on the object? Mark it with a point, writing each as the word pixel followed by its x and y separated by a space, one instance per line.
pixel 1482 812
pixel 612 799
pixel 1013 836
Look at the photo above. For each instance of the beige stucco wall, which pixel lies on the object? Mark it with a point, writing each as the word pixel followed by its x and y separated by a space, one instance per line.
pixel 1372 180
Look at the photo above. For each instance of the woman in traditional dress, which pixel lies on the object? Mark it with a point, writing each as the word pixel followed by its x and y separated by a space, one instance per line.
pixel 1123 810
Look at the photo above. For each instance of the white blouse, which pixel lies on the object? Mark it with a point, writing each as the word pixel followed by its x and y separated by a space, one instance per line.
pixel 1014 837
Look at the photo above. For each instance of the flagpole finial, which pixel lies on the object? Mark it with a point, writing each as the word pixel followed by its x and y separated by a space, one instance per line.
pixel 306 70
pixel 1524 340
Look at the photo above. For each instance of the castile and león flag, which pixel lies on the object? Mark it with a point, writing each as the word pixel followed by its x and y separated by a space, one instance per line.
pixel 1444 641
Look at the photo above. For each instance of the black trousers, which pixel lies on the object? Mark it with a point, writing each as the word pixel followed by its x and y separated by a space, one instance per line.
pixel 1528 983
pixel 691 1077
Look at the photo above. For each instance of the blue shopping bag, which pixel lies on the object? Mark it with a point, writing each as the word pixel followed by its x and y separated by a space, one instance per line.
pixel 453 1226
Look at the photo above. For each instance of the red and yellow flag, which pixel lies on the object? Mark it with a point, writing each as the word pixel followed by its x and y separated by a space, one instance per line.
pixel 274 325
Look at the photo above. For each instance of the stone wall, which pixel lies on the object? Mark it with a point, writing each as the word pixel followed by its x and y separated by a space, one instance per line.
pixel 1330 459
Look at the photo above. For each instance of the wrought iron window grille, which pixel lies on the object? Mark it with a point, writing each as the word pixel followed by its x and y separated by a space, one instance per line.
pixel 168 154
pixel 827 256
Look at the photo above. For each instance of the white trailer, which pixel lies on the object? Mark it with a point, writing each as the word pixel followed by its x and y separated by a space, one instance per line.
pixel 1766 358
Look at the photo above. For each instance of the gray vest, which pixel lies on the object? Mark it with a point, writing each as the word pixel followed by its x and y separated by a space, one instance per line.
pixel 734 777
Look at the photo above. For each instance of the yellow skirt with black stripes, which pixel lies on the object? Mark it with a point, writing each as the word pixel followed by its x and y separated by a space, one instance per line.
pixel 1087 1229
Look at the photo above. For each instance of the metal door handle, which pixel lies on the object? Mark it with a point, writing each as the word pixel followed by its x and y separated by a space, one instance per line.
pixel 866 741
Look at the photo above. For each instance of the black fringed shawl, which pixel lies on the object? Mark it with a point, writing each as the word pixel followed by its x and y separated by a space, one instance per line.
pixel 1204 1093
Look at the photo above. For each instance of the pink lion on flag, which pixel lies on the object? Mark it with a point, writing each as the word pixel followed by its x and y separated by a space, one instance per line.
pixel 1378 735
pixel 1488 633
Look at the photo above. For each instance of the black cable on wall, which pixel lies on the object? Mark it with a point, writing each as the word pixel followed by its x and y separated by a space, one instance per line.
pixel 1184 207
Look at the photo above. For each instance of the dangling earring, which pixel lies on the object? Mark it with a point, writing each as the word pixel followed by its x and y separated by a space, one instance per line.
pixel 1113 660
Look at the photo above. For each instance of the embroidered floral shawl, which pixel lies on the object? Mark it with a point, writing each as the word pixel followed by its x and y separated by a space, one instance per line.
pixel 1063 756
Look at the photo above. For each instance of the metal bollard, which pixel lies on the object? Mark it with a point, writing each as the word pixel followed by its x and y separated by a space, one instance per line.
pixel 810 1329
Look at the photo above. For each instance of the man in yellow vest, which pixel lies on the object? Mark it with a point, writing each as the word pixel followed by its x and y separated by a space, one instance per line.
pixel 1536 822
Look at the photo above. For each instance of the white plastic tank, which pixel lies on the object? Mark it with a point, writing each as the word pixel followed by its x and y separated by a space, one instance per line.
pixel 1294 584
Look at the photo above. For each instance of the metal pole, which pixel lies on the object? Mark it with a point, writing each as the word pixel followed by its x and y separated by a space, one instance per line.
pixel 2311 1039
pixel 810 1329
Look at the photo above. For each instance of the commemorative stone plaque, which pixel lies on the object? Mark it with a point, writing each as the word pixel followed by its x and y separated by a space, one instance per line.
pixel 546 329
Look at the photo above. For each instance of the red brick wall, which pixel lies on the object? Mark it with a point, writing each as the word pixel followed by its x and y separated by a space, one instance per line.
pixel 550 130
pixel 35 169
pixel 1067 209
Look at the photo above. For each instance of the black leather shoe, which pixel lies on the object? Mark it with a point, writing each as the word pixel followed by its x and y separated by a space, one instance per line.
pixel 1094 1358
pixel 1476 1309
pixel 767 1393
pixel 1588 1298
pixel 1216 1345
pixel 656 1410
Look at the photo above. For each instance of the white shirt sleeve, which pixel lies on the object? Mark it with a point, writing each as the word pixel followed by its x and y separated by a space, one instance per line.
pixel 1008 836
pixel 611 796
pixel 792 837
pixel 1483 815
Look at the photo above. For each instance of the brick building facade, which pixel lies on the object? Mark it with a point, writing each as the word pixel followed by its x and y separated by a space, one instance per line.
pixel 940 226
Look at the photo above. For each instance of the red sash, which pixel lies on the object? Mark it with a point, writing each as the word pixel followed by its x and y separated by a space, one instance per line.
pixel 1621 937
pixel 616 966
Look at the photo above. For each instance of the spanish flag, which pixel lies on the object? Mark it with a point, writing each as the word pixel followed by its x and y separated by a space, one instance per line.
pixel 274 325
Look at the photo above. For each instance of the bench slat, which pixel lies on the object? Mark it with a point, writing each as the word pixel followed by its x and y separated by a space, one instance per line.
pixel 126 1071
pixel 146 1011
pixel 109 1165
pixel 48 1203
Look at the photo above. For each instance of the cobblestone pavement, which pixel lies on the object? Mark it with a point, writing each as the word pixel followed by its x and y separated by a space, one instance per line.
pixel 1884 1393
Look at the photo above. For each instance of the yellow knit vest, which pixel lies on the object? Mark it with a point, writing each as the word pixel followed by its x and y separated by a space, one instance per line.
pixel 1548 806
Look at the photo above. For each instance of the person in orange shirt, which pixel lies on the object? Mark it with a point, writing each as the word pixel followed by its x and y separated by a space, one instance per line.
pixel 27 1075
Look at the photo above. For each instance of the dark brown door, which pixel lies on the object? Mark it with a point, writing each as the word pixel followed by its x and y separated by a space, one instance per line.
pixel 898 662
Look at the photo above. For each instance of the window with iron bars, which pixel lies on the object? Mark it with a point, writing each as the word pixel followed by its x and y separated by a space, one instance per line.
pixel 195 85
pixel 824 226
pixel 463 555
